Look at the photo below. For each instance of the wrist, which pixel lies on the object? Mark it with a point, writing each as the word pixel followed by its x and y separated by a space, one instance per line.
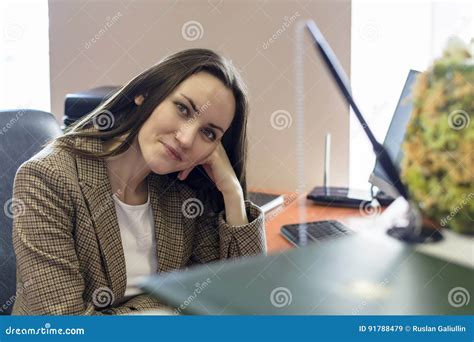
pixel 235 213
pixel 233 191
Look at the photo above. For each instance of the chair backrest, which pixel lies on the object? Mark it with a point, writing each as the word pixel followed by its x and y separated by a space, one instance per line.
pixel 83 102
pixel 23 133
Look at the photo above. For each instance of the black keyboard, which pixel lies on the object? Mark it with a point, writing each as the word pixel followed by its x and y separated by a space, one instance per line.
pixel 315 231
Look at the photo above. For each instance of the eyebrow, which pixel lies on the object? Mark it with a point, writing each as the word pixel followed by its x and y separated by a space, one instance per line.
pixel 193 105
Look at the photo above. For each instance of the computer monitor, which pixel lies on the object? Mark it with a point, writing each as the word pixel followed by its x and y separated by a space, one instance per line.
pixel 340 77
pixel 394 137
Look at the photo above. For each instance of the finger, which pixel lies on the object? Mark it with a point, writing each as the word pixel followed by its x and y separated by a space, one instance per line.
pixel 184 173
pixel 206 159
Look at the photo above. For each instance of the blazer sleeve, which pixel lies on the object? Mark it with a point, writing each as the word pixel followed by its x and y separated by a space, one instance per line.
pixel 216 239
pixel 45 249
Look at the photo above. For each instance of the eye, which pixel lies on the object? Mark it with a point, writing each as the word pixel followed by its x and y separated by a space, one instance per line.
pixel 182 108
pixel 210 134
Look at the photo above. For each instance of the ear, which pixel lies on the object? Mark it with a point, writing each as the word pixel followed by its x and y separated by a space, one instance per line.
pixel 139 100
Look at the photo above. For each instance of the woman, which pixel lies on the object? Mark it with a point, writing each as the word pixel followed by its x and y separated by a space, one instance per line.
pixel 151 181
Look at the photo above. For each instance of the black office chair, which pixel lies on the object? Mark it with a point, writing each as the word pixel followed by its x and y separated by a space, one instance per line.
pixel 23 132
pixel 83 102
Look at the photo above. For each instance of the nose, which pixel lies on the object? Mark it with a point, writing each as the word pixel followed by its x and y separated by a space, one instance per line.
pixel 186 135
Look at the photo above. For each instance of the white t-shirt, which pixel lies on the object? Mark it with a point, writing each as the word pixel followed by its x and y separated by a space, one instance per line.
pixel 138 239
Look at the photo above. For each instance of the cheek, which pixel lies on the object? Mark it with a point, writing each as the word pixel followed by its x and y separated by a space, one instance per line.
pixel 162 118
pixel 146 137
pixel 159 126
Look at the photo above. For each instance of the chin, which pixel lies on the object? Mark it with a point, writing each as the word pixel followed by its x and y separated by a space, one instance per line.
pixel 161 168
pixel 156 166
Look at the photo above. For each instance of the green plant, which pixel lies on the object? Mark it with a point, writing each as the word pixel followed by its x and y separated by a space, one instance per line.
pixel 438 159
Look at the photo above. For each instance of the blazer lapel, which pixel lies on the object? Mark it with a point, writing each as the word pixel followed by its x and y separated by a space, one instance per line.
pixel 95 184
pixel 168 220
pixel 169 232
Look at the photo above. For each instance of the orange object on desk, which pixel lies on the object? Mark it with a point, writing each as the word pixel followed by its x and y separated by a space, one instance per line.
pixel 289 213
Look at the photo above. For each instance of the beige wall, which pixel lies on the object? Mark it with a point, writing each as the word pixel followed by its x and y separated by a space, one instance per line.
pixel 95 43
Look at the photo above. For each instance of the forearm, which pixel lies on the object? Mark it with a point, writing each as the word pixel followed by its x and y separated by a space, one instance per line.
pixel 241 232
pixel 235 212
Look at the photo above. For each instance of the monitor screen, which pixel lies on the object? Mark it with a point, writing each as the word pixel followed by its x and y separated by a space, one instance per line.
pixel 395 135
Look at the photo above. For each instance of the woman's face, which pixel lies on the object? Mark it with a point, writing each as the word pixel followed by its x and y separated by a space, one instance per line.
pixel 188 125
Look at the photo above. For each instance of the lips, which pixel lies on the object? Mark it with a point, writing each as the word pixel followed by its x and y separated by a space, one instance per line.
pixel 172 152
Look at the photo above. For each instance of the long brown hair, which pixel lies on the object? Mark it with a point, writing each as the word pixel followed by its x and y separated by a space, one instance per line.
pixel 125 118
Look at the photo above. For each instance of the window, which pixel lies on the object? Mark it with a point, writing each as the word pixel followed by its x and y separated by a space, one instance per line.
pixel 388 39
pixel 24 55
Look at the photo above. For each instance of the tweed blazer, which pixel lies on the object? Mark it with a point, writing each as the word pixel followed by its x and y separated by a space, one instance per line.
pixel 70 259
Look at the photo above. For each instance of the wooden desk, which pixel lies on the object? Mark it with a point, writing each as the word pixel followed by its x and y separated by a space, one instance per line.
pixel 368 274
pixel 289 213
